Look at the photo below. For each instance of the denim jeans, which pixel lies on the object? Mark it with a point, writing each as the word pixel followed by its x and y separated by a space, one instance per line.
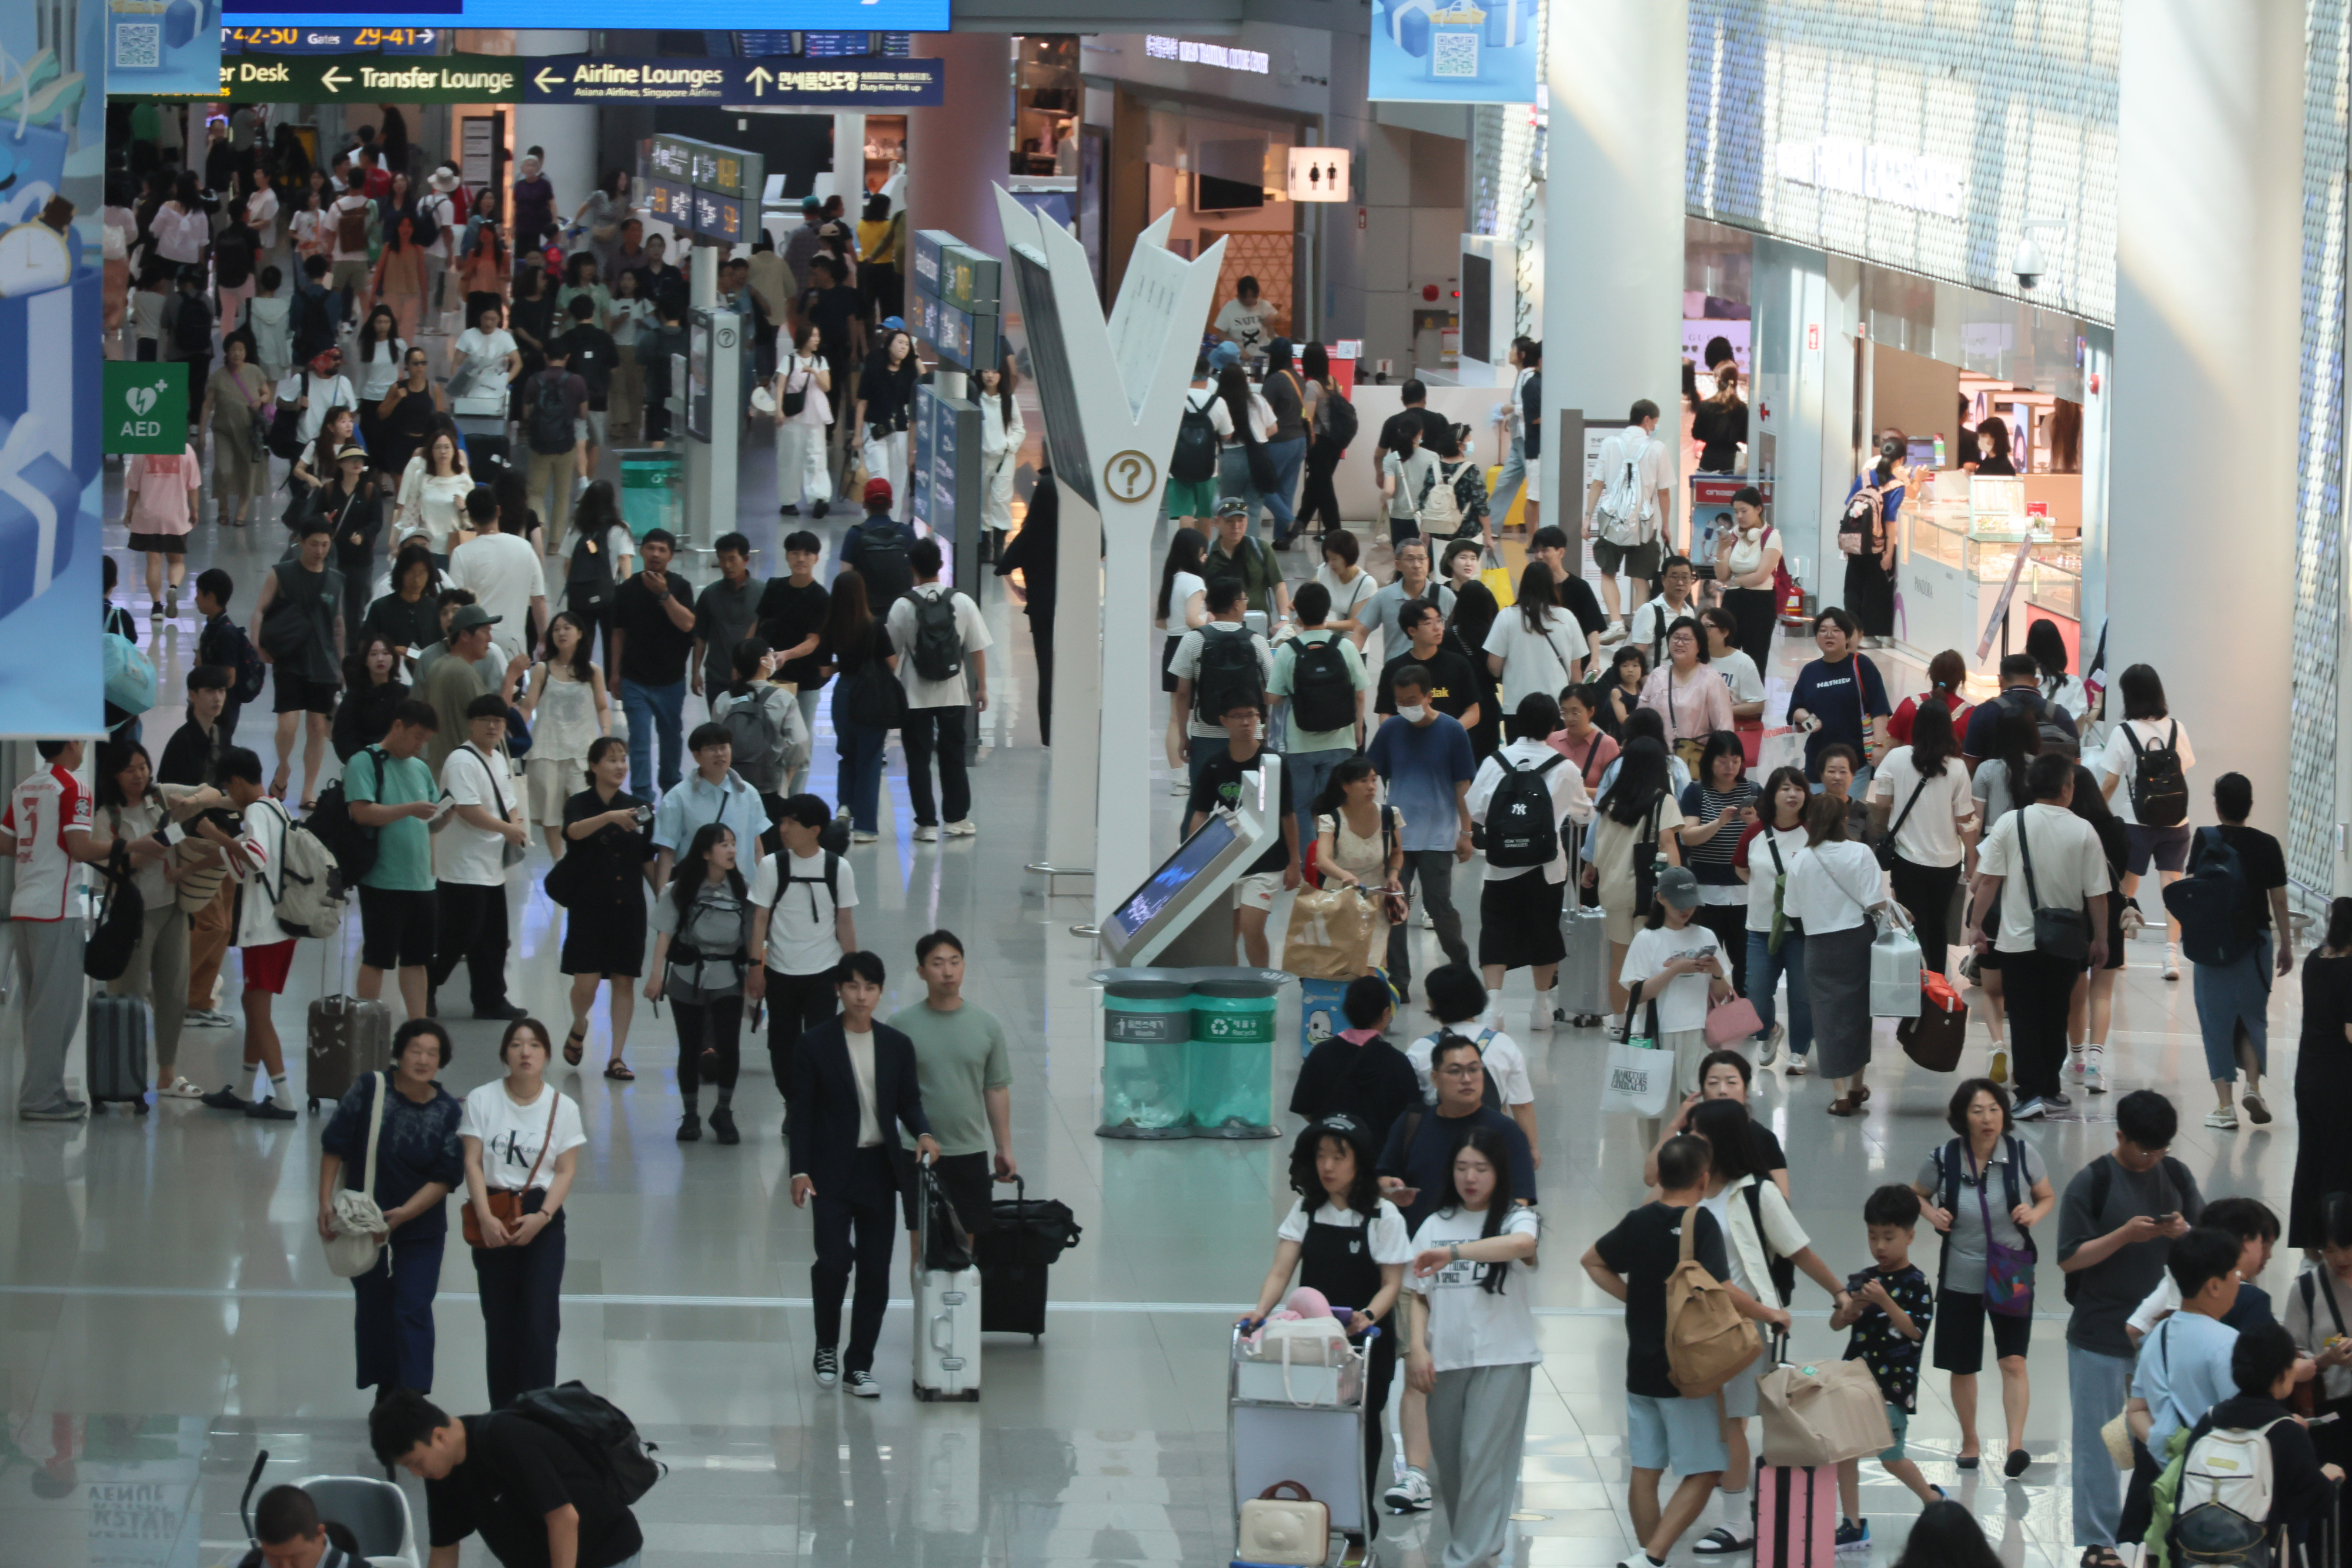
pixel 648 706
pixel 1507 483
pixel 859 783
pixel 806 698
pixel 2234 998
pixel 1234 480
pixel 1309 772
pixel 2096 1387
pixel 1765 968
pixel 1288 456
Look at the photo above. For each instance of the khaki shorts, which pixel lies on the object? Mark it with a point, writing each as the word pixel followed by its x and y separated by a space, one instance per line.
pixel 1258 889
pixel 1637 561
pixel 347 275
pixel 548 783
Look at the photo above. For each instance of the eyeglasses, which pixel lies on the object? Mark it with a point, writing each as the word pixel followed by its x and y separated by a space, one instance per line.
pixel 1462 1070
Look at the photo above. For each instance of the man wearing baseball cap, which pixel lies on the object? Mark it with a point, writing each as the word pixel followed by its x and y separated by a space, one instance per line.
pixel 452 683
pixel 876 550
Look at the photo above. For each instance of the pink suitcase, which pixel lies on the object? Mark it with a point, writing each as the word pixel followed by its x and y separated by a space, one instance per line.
pixel 1796 1516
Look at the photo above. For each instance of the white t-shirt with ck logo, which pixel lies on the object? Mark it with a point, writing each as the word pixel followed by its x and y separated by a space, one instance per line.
pixel 512 1134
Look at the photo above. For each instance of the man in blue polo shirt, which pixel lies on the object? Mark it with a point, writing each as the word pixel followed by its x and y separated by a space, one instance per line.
pixel 711 793
pixel 1426 758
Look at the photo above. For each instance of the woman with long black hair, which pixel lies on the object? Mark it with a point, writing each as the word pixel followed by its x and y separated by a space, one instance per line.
pixel 1920 798
pixel 1538 650
pixel 1468 630
pixel 2092 1003
pixel 1343 1238
pixel 134 807
pixel 1002 430
pixel 372 690
pixel 702 935
pixel 885 403
pixel 854 639
pixel 1471 1342
pixel 1866 536
pixel 1319 500
pixel 1719 805
pixel 609 833
pixel 1636 814
pixel 408 617
pixel 597 529
pixel 1244 467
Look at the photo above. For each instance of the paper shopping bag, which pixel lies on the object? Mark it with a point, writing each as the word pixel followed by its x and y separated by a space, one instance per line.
pixel 1336 934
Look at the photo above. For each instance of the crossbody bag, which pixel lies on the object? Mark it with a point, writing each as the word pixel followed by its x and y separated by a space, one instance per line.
pixel 1884 848
pixel 506 1202
pixel 2063 933
pixel 511 854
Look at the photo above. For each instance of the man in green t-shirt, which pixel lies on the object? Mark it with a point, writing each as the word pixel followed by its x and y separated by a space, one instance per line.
pixel 966 1079
pixel 390 787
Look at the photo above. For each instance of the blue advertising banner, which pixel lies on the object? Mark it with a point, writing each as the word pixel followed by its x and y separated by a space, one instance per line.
pixel 161 47
pixel 1454 51
pixel 894 16
pixel 51 679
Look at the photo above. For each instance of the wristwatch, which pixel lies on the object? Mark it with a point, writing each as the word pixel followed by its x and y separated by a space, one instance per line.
pixel 1453 1251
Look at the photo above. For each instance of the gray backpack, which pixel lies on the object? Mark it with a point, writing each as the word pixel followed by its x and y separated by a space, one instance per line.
pixel 768 739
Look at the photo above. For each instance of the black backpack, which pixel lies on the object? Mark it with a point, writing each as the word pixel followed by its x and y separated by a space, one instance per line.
pixel 604 1437
pixel 1195 457
pixel 1229 672
pixel 938 646
pixel 2216 903
pixel 233 258
pixel 879 555
pixel 121 920
pixel 2159 793
pixel 314 326
pixel 588 587
pixel 592 359
pixel 2055 739
pixel 1322 693
pixel 1522 829
pixel 548 416
pixel 353 846
pixel 1341 417
pixel 191 325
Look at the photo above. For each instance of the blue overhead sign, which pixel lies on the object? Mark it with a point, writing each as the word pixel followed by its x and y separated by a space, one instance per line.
pixel 897 15
pixel 367 40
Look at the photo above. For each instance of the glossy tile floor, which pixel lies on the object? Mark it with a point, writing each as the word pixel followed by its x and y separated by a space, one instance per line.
pixel 165 1310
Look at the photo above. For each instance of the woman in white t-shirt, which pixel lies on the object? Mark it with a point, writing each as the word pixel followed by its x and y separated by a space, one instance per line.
pixel 486 350
pixel 1727 658
pixel 1680 970
pixel 1182 606
pixel 1920 793
pixel 521 1141
pixel 1350 586
pixel 1776 940
pixel 2147 726
pixel 1352 1246
pixel 630 310
pixel 1470 1343
pixel 1834 884
pixel 1754 1239
pixel 800 437
pixel 431 499
pixel 1535 646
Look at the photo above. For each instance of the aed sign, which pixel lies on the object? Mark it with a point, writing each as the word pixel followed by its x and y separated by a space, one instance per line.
pixel 146 406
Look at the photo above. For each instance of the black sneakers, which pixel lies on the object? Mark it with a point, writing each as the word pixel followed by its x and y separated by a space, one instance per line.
pixel 690 1128
pixel 827 1362
pixel 722 1126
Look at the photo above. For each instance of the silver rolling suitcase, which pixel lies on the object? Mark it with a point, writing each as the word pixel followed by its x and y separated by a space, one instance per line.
pixel 946 1299
pixel 1584 972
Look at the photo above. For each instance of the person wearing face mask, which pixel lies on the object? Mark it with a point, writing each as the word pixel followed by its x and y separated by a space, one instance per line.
pixel 1427 760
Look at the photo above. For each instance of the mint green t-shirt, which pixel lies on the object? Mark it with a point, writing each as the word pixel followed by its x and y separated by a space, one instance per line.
pixel 1285 663
pixel 404 850
pixel 958 1057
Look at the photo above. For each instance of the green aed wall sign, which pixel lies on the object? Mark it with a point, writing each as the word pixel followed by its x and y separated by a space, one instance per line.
pixel 146 408
pixel 371 79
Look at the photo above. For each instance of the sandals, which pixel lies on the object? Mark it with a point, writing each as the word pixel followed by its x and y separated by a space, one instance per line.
pixel 2100 1557
pixel 1845 1105
pixel 618 1071
pixel 573 1045
pixel 1968 1461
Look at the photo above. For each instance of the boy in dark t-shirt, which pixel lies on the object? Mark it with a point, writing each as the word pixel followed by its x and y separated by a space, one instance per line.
pixel 1222 782
pixel 1888 1306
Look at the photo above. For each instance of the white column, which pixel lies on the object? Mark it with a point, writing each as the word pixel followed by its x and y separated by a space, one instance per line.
pixel 849 160
pixel 2201 556
pixel 566 134
pixel 1612 275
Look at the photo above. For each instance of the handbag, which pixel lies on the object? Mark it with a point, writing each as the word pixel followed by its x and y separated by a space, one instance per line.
pixel 1731 1021
pixel 1305 1363
pixel 506 1202
pixel 121 920
pixel 871 696
pixel 1640 1073
pixel 358 1219
pixel 512 854
pixel 1335 933
pixel 2061 933
pixel 1497 579
pixel 1822 1413
pixel 1263 476
pixel 1884 848
pixel 1286 1530
pixel 562 882
pixel 795 402
pixel 2009 1271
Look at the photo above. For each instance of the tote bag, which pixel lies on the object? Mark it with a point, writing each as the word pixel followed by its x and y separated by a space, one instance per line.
pixel 358 1220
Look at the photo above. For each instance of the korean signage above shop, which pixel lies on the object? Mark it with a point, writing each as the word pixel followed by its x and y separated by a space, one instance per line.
pixel 340 78
pixel 894 16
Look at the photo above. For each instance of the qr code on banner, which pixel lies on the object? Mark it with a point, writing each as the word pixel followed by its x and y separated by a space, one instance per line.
pixel 138 45
pixel 1454 55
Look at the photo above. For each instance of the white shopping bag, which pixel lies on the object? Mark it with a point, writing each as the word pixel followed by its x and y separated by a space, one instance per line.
pixel 1894 967
pixel 1779 748
pixel 1640 1078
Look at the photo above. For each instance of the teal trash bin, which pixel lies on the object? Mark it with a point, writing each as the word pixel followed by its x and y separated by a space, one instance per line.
pixel 652 490
pixel 1229 1073
pixel 1147 1036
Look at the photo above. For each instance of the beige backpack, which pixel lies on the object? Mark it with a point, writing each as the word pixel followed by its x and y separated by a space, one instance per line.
pixel 1708 1342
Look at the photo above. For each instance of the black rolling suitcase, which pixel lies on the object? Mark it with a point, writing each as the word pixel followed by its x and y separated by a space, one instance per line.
pixel 1024 1237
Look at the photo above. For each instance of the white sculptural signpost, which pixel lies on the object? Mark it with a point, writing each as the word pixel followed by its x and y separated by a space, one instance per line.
pixel 1112 391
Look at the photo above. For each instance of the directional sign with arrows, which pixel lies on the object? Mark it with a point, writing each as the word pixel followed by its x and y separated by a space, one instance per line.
pixel 581 78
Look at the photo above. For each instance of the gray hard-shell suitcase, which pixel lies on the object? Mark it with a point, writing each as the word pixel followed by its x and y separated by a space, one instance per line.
pixel 1583 982
pixel 947 1298
pixel 119 1029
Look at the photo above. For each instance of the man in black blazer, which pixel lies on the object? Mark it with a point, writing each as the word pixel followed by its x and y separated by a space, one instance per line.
pixel 853 1085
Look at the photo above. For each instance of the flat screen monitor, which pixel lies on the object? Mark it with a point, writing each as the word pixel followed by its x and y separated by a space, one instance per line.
pixel 1177 872
pixel 1211 194
pixel 1478 303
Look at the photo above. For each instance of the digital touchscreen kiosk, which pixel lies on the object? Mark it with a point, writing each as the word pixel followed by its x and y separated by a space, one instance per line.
pixel 1203 868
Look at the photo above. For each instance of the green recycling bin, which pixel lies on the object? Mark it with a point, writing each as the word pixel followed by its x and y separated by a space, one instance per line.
pixel 1229 1078
pixel 652 491
pixel 1146 1035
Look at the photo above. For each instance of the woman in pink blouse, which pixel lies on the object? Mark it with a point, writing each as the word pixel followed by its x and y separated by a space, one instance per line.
pixel 1690 697
pixel 159 505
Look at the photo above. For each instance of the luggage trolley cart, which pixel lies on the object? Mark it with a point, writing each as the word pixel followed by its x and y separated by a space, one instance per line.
pixel 1303 1424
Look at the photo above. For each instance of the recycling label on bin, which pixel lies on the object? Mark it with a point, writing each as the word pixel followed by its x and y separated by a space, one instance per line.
pixel 1145 1029
pixel 1252 1028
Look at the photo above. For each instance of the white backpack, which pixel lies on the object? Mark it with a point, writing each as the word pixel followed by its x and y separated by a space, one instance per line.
pixel 1627 514
pixel 309 893
pixel 2225 1494
pixel 1440 512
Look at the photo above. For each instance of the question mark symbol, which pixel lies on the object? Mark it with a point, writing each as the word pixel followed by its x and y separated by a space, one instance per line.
pixel 1134 471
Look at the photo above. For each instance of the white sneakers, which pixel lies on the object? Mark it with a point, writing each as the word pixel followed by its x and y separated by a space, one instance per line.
pixel 2222 1119
pixel 1540 1021
pixel 1410 1495
pixel 2094 1074
pixel 2172 960
pixel 1998 1070
pixel 927 835
pixel 964 828
pixel 1771 1048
